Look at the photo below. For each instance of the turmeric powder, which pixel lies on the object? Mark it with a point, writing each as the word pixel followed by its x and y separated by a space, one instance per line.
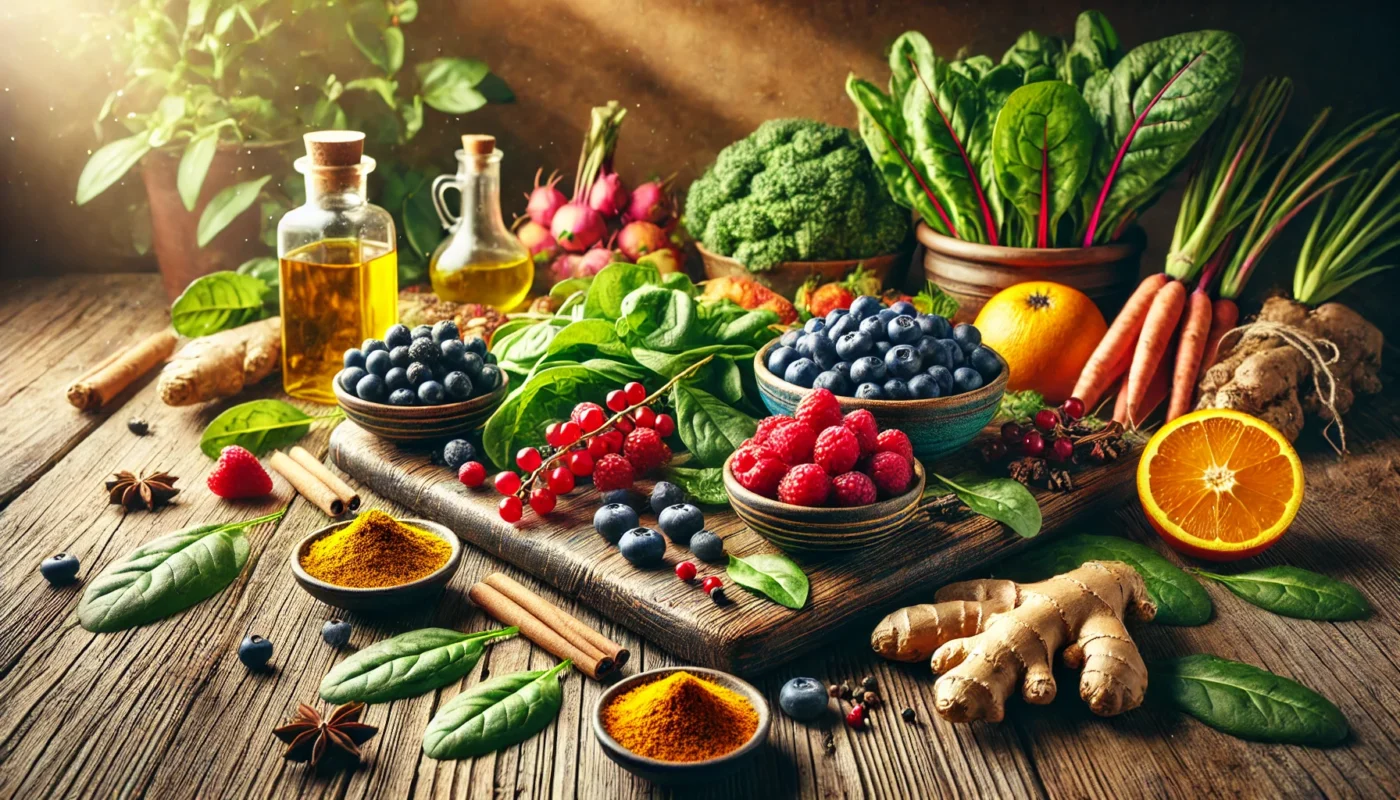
pixel 373 551
pixel 680 718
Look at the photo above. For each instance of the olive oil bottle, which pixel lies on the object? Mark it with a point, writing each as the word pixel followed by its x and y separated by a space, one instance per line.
pixel 339 266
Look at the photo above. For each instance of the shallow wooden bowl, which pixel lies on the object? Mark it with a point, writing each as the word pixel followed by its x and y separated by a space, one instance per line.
pixel 409 424
pixel 818 530
pixel 936 426
pixel 788 276
pixel 384 597
pixel 683 772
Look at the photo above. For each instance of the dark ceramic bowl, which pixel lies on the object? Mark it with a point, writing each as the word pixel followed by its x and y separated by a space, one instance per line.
pixel 936 427
pixel 410 424
pixel 822 530
pixel 683 772
pixel 384 597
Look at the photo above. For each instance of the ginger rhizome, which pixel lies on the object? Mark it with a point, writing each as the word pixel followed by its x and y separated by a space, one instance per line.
pixel 987 638
pixel 222 364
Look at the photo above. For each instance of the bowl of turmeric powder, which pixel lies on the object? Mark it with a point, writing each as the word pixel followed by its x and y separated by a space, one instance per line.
pixel 375 562
pixel 681 724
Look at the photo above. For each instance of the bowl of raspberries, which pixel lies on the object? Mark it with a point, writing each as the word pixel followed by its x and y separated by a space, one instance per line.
pixel 421 384
pixel 824 479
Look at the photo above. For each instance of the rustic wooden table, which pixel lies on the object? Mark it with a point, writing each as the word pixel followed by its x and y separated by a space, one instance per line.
pixel 167 710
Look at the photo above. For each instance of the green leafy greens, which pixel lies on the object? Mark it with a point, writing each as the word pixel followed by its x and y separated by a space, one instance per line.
pixel 1248 702
pixel 1001 499
pixel 406 665
pixel 772 575
pixel 259 426
pixel 494 714
pixel 1295 592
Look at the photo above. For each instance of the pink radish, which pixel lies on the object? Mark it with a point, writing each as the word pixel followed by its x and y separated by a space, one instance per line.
pixel 639 238
pixel 592 262
pixel 648 203
pixel 608 196
pixel 536 237
pixel 545 199
pixel 577 227
pixel 562 268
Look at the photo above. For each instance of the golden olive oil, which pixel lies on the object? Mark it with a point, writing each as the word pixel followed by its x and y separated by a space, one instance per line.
pixel 502 284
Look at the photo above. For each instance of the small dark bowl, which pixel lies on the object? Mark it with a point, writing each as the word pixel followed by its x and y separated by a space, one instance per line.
pixel 822 530
pixel 687 772
pixel 936 426
pixel 380 597
pixel 410 424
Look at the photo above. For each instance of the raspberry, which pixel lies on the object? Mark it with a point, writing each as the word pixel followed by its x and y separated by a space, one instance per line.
pixel 758 471
pixel 836 450
pixel 238 474
pixel 853 489
pixel 472 473
pixel 890 471
pixel 792 443
pixel 613 472
pixel 645 450
pixel 819 410
pixel 805 485
pixel 767 426
pixel 588 411
pixel 893 441
pixel 862 424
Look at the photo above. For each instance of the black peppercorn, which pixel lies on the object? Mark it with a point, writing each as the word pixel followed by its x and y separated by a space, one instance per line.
pixel 908 714
pixel 845 690
pixel 138 426
pixel 869 683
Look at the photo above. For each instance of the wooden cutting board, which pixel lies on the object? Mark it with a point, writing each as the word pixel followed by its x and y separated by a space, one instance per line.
pixel 749 634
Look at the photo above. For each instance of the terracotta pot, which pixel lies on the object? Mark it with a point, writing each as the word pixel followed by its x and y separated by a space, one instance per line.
pixel 173 229
pixel 972 273
pixel 785 278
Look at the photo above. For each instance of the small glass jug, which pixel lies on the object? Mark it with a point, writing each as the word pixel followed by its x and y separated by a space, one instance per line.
pixel 480 261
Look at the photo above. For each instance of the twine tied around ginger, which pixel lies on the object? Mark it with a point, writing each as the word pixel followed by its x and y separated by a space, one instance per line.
pixel 1307 344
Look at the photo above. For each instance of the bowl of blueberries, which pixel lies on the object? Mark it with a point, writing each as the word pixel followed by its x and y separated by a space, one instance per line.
pixel 916 372
pixel 420 385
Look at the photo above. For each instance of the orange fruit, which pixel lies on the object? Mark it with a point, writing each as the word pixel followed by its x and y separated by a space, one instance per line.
pixel 1045 331
pixel 1219 484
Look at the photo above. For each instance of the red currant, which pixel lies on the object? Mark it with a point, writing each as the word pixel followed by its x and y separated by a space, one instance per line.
pixel 616 438
pixel 622 427
pixel 569 433
pixel 472 473
pixel 665 425
pixel 1011 433
pixel 528 459
pixel 1061 450
pixel 855 718
pixel 592 419
pixel 598 447
pixel 1073 408
pixel 560 480
pixel 617 400
pixel 644 417
pixel 580 463
pixel 510 508
pixel 993 451
pixel 1033 444
pixel 551 434
pixel 542 500
pixel 1046 419
pixel 636 393
pixel 686 571
pixel 710 584
pixel 507 482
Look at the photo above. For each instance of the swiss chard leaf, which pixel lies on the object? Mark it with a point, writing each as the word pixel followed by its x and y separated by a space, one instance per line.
pixel 1001 499
pixel 772 575
pixel 407 665
pixel 217 302
pixel 258 426
pixel 944 114
pixel 881 125
pixel 1248 702
pixel 711 428
pixel 1095 47
pixel 494 714
pixel 706 485
pixel 1042 148
pixel 1295 592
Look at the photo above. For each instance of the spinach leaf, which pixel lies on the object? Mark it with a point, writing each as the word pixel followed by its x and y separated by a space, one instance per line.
pixel 669 365
pixel 1180 599
pixel 1001 499
pixel 1248 702
pixel 613 283
pixel 726 322
pixel 586 339
pixel 216 302
pixel 518 351
pixel 259 426
pixel 407 665
pixel 1295 592
pixel 166 575
pixel 495 714
pixel 546 396
pixel 1095 47
pixel 563 289
pixel 774 576
pixel 1042 149
pixel 705 485
pixel 710 427
pixel 1037 55
pixel 659 319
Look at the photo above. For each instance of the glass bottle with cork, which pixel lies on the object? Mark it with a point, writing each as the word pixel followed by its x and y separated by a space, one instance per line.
pixel 480 261
pixel 339 265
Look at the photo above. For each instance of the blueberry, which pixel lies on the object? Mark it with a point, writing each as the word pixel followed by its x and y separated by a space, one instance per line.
pixel 803 346
pixel 835 314
pixel 967 337
pixel 896 389
pixel 780 358
pixel 354 357
pixel 613 520
pixel 843 367
pixel 458 385
pixel 854 345
pixel 789 338
pixel 965 379
pixel 489 380
pixel 348 378
pixel 707 546
pixel 834 382
pixel 471 364
pixel 928 350
pixel 440 370
pixel 627 497
pixel 665 494
pixel 422 332
pixel 336 632
pixel 432 393
pixel 935 326
pixel 870 391
pixel 452 352
pixel 870 369
pixel 59 569
pixel 903 330
pixel 254 652
pixel 865 306
pixel 397 336
pixel 399 357
pixel 417 373
pixel 802 372
pixel 377 363
pixel 425 351
pixel 643 547
pixel 874 327
pixel 680 522
pixel 815 325
pixel 371 389
pixel 985 361
pixel 943 377
pixel 843 325
pixel 803 699
pixel 952 357
pixel 490 358
pixel 923 387
pixel 444 330
pixel 371 345
pixel 902 362
pixel 396 379
pixel 904 307
pixel 823 351
pixel 403 397
pixel 887 314
pixel 458 452
pixel 881 348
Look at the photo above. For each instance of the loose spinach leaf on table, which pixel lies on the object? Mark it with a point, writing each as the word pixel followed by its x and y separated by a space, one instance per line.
pixel 494 714
pixel 217 302
pixel 406 665
pixel 166 575
pixel 772 575
pixel 1295 592
pixel 1001 499
pixel 705 485
pixel 259 426
pixel 1248 702
pixel 710 428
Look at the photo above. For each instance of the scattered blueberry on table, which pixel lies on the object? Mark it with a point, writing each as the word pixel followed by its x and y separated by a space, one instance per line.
pixel 803 699
pixel 59 569
pixel 643 547
pixel 254 652
pixel 336 632
pixel 613 520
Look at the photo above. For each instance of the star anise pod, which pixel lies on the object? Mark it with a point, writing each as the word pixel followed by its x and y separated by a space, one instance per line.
pixel 1027 470
pixel 1059 480
pixel 147 491
pixel 310 737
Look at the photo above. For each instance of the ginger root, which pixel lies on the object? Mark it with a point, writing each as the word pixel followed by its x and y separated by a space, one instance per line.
pixel 1263 375
pixel 222 364
pixel 989 637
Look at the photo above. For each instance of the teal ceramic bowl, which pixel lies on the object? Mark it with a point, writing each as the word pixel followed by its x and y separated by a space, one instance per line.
pixel 936 426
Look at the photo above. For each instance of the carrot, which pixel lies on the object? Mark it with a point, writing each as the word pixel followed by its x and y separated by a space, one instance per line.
pixel 1110 358
pixel 1194 331
pixel 1120 406
pixel 1157 389
pixel 1152 343
pixel 1224 315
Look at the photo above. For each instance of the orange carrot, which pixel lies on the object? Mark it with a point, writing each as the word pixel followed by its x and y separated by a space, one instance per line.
pixel 1224 315
pixel 1111 357
pixel 1156 390
pixel 1194 331
pixel 1152 343
pixel 1120 406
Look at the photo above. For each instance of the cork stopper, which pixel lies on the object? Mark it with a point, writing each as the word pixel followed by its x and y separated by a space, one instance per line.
pixel 335 148
pixel 478 144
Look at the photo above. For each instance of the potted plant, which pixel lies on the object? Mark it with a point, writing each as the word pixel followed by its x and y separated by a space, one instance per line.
pixel 216 91
pixel 1035 168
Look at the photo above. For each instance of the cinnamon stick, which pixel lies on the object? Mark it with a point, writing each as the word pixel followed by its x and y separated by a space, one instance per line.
pixel 508 612
pixel 567 625
pixel 341 489
pixel 306 484
pixel 113 374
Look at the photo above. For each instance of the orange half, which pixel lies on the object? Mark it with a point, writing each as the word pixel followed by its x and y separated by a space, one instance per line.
pixel 1220 484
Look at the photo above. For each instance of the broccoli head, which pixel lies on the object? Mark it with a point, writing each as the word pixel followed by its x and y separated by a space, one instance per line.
pixel 794 190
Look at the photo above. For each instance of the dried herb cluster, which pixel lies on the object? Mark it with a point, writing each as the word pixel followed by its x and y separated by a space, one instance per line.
pixel 1092 442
